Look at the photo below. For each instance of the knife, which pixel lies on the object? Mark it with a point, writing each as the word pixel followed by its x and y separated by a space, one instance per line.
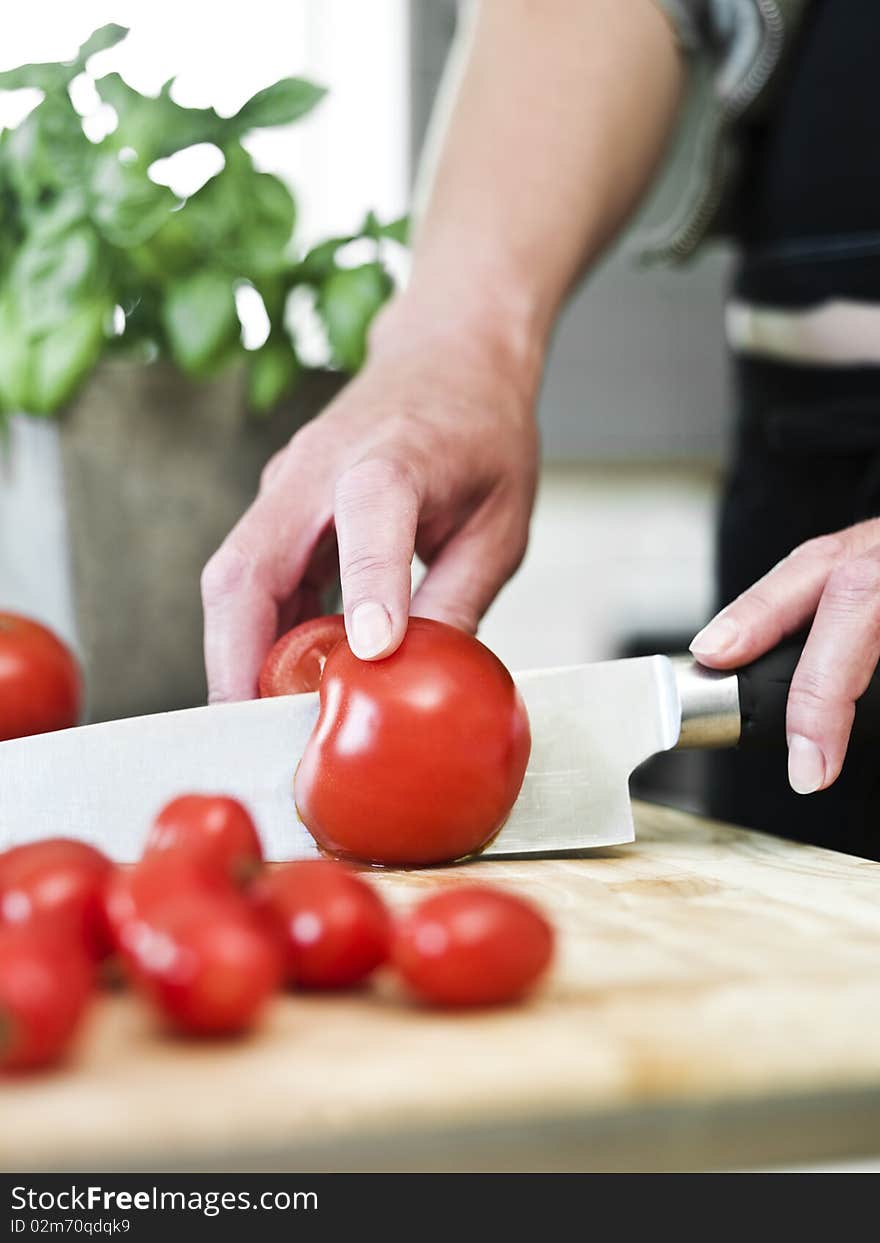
pixel 592 725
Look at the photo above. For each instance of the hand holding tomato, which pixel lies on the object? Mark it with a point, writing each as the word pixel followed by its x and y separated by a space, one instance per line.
pixel 415 759
pixel 432 448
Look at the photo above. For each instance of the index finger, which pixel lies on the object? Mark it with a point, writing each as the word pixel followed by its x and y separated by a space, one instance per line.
pixel 377 512
pixel 776 605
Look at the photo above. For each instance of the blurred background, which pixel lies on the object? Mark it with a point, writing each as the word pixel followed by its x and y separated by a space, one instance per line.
pixel 633 414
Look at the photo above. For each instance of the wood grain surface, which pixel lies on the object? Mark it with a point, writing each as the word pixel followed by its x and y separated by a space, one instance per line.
pixel 715 1002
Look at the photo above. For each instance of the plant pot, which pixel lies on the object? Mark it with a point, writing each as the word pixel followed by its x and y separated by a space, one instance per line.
pixel 156 470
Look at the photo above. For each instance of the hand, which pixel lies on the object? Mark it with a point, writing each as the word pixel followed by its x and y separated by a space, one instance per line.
pixel 432 448
pixel 835 580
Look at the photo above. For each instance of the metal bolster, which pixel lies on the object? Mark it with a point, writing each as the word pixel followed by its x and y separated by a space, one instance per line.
pixel 710 709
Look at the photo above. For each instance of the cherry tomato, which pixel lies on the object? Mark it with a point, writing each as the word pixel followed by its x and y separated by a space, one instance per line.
pixel 472 946
pixel 333 926
pixel 40 682
pixel 45 987
pixel 136 893
pixel 213 830
pixel 296 662
pixel 415 759
pixel 58 884
pixel 206 962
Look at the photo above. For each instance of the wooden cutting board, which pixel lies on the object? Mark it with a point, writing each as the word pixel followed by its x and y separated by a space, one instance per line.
pixel 716 1002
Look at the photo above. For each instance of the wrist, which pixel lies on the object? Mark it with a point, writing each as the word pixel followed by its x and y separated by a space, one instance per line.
pixel 478 315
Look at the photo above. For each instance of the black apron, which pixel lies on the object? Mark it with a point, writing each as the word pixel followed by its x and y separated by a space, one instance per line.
pixel 807 453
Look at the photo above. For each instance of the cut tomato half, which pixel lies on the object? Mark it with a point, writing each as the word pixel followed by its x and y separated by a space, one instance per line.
pixel 296 662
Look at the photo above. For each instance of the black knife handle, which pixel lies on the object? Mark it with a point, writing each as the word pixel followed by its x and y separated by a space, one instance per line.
pixel 763 695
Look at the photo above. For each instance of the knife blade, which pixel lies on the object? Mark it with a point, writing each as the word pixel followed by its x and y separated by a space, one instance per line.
pixel 591 726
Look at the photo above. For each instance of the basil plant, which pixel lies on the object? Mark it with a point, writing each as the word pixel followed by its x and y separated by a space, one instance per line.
pixel 97 259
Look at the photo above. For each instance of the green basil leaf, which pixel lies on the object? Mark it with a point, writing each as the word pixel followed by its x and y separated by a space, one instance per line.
pixel 273 290
pixel 116 92
pixel 53 309
pixel 51 279
pixel 39 372
pixel 347 301
pixel 46 77
pixel 55 76
pixel 273 372
pixel 257 243
pixel 14 360
pixel 126 205
pixel 47 152
pixel 200 320
pixel 320 261
pixel 103 37
pixel 61 360
pixel 141 304
pixel 396 230
pixel 279 104
pixel 240 219
pixel 317 264
pixel 11 231
pixel 371 226
pixel 157 127
pixel 57 267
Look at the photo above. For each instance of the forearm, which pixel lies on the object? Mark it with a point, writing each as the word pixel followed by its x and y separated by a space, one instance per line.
pixel 561 111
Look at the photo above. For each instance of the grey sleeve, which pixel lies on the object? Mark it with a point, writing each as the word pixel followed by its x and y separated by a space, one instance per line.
pixel 720 28
pixel 729 34
pixel 688 19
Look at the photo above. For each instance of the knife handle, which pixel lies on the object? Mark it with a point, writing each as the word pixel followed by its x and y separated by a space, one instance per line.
pixel 746 707
pixel 763 694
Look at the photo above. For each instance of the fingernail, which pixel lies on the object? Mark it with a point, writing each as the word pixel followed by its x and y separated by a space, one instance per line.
pixel 370 630
pixel 718 637
pixel 806 765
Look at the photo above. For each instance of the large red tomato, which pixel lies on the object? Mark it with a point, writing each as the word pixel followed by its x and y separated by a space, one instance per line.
pixel 415 759
pixel 40 683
